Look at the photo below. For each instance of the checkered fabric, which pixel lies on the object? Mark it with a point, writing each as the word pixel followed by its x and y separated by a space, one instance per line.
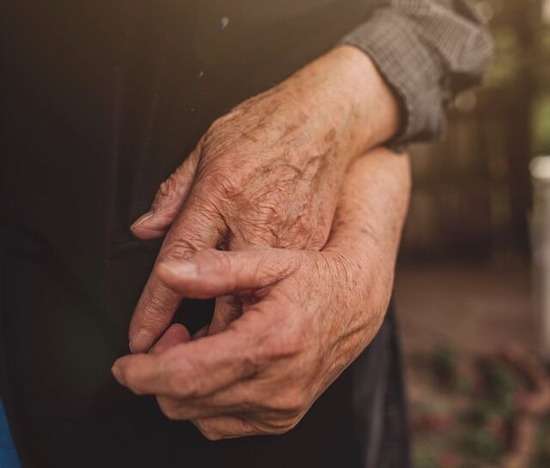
pixel 427 50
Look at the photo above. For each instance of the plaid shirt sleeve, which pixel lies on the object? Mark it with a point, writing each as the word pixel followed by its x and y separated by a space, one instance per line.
pixel 427 50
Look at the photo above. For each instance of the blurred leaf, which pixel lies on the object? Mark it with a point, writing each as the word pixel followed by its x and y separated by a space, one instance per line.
pixel 542 125
pixel 482 444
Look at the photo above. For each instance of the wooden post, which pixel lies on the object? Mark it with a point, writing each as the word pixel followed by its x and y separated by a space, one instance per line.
pixel 540 243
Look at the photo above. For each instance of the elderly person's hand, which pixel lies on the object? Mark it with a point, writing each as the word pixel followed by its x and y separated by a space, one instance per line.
pixel 266 174
pixel 306 315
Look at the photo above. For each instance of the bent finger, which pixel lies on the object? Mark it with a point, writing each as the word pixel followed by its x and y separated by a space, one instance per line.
pixel 225 427
pixel 174 335
pixel 168 201
pixel 198 227
pixel 212 273
pixel 227 310
pixel 191 370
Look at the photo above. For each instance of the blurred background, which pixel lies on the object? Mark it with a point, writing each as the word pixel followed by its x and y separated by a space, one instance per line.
pixel 479 389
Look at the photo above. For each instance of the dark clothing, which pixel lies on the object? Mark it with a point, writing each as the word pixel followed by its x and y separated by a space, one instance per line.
pixel 428 50
pixel 100 102
pixel 8 454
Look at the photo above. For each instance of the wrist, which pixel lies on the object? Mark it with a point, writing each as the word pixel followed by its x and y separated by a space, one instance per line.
pixel 347 96
pixel 373 108
pixel 372 207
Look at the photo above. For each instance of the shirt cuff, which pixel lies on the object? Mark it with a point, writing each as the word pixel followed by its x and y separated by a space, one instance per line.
pixel 410 68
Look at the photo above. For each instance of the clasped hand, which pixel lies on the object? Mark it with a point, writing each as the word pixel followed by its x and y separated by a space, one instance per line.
pixel 303 321
pixel 298 251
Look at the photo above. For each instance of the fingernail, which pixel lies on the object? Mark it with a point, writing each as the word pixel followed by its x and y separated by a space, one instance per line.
pixel 141 341
pixel 143 219
pixel 118 374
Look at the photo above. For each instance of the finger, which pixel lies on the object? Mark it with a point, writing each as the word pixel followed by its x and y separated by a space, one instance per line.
pixel 198 226
pixel 141 373
pixel 227 310
pixel 194 369
pixel 168 201
pixel 232 400
pixel 201 333
pixel 175 335
pixel 225 427
pixel 212 273
pixel 223 402
pixel 187 410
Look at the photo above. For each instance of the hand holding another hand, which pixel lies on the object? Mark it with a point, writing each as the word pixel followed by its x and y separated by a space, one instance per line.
pixel 267 174
pixel 304 315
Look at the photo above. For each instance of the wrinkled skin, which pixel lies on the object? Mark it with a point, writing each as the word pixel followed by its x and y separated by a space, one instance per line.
pixel 268 174
pixel 305 315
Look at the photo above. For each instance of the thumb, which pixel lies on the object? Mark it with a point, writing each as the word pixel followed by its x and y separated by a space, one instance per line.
pixel 212 273
pixel 168 201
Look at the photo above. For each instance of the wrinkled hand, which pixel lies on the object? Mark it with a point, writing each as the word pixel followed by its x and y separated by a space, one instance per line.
pixel 267 174
pixel 306 316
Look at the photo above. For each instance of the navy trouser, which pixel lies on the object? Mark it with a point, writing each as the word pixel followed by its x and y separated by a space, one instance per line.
pixel 8 454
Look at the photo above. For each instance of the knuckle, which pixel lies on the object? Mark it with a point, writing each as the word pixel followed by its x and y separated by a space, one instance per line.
pixel 208 430
pixel 212 436
pixel 271 210
pixel 217 260
pixel 167 191
pixel 221 181
pixel 251 358
pixel 229 187
pixel 292 402
pixel 219 129
pixel 179 249
pixel 285 345
pixel 180 385
pixel 169 409
pixel 252 361
pixel 285 427
pixel 279 426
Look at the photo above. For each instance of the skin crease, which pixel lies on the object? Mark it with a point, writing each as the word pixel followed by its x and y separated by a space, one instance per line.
pixel 268 174
pixel 306 315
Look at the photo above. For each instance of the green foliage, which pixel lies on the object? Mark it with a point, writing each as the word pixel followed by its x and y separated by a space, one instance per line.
pixel 542 456
pixel 444 363
pixel 483 445
pixel 477 417
pixel 425 459
pixel 501 384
